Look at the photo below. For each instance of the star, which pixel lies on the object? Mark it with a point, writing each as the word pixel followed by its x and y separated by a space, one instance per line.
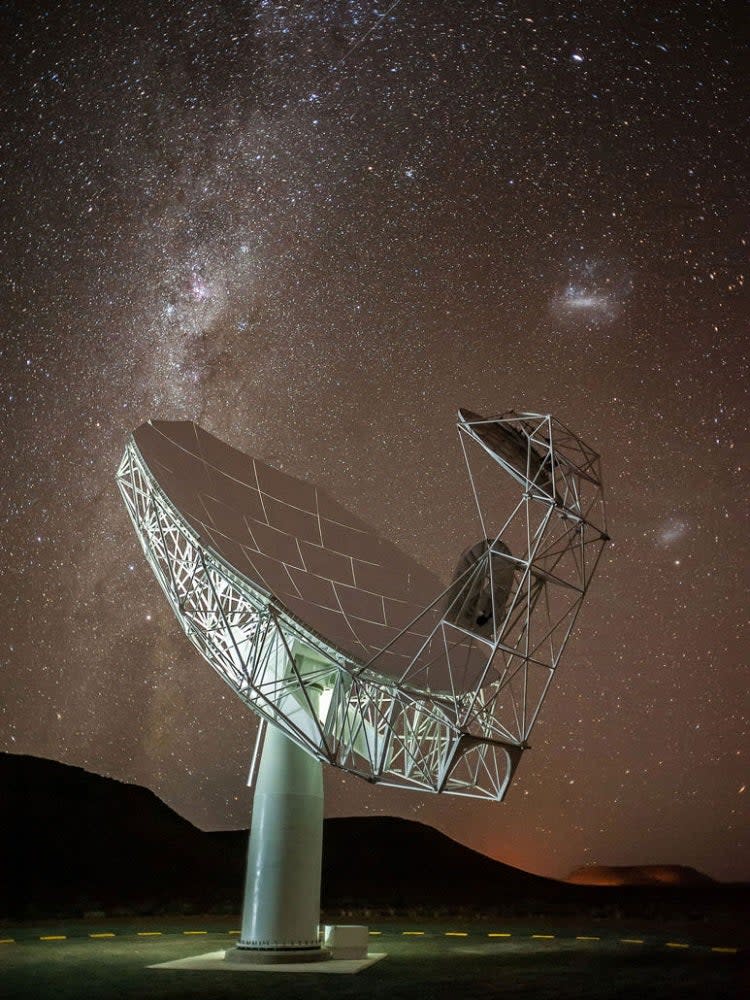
pixel 199 290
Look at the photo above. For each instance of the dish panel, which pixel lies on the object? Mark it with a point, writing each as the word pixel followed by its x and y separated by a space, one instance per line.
pixel 288 537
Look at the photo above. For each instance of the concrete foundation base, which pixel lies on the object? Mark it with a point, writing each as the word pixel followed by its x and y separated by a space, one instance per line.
pixel 215 961
pixel 271 957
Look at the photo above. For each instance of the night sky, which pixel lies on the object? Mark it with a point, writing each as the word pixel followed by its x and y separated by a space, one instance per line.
pixel 317 229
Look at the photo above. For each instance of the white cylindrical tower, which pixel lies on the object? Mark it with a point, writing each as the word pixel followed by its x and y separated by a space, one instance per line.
pixel 281 908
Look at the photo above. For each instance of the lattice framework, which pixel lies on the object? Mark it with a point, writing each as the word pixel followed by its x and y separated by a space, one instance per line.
pixel 465 739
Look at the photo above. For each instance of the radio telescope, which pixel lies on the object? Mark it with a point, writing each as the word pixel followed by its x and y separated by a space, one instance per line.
pixel 356 655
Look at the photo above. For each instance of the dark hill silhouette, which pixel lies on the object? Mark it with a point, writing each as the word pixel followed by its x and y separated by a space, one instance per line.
pixel 80 841
pixel 74 842
pixel 399 863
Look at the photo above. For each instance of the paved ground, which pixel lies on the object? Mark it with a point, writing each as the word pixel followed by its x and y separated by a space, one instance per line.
pixel 80 960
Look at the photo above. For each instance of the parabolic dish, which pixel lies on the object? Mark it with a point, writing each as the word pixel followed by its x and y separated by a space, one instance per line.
pixel 362 656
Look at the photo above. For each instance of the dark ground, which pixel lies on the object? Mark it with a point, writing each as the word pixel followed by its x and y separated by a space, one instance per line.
pixel 424 967
pixel 86 855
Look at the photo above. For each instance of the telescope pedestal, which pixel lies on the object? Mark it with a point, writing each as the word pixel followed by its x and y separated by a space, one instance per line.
pixel 281 907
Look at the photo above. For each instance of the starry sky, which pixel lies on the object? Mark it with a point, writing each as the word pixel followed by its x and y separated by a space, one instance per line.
pixel 317 229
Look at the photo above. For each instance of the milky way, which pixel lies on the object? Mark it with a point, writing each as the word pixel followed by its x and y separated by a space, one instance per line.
pixel 318 229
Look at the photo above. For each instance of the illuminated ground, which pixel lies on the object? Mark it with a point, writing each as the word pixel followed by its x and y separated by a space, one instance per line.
pixel 456 961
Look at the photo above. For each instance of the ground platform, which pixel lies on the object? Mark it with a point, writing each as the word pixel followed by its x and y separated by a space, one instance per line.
pixel 214 961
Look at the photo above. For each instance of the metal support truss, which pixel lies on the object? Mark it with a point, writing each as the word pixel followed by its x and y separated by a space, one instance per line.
pixel 466 737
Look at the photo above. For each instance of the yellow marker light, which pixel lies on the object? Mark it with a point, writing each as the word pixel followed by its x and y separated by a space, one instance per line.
pixel 499 934
pixel 108 934
pixel 677 944
pixel 234 932
pixel 195 932
pixel 13 941
pixel 543 937
pixel 149 933
pixel 413 933
pixel 456 933
pixel 631 940
pixel 375 933
pixel 586 937
pixel 725 951
pixel 53 937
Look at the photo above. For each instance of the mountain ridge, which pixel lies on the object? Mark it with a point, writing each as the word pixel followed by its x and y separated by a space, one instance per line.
pixel 82 842
pixel 674 875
